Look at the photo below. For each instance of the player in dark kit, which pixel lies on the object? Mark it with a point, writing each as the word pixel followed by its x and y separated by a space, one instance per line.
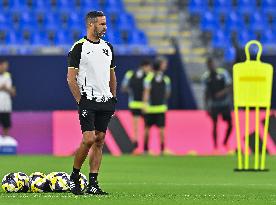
pixel 157 89
pixel 218 85
pixel 92 81
pixel 133 83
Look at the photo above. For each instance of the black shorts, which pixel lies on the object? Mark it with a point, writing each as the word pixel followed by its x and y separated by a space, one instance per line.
pixel 225 111
pixel 95 115
pixel 5 119
pixel 155 119
pixel 136 112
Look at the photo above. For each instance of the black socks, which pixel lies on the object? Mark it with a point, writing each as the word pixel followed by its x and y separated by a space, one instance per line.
pixel 93 177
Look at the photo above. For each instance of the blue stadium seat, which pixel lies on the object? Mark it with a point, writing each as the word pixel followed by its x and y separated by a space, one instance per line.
pixel 3 19
pixel 52 19
pixel 28 18
pixel 247 6
pixel 234 22
pixel 244 37
pixel 139 37
pixel 114 37
pixel 268 37
pixel 220 39
pixel 269 5
pixel 258 22
pixel 230 54
pixel 105 4
pixel 197 7
pixel 13 38
pixel 209 22
pixel 222 6
pixel 126 21
pixel 62 38
pixel 88 5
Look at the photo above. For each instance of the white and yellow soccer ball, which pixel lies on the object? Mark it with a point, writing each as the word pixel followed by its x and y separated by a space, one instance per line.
pixel 24 179
pixel 15 182
pixel 59 181
pixel 39 182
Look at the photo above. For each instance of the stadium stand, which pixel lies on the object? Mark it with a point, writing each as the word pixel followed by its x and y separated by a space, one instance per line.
pixel 29 24
pixel 233 23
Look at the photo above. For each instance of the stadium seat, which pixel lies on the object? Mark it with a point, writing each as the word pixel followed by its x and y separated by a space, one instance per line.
pixel 230 54
pixel 268 37
pixel 209 22
pixel 88 5
pixel 258 23
pixel 139 37
pixel 246 7
pixel 220 40
pixel 222 6
pixel 233 22
pixel 269 5
pixel 197 7
pixel 244 37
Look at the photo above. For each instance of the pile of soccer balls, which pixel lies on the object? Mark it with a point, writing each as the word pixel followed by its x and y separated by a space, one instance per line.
pixel 39 182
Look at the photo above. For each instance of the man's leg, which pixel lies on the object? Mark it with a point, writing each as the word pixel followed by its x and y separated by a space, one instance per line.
pixel 102 119
pixel 96 152
pixel 227 117
pixel 89 138
pixel 146 139
pixel 135 126
pixel 162 138
pixel 215 120
pixel 80 156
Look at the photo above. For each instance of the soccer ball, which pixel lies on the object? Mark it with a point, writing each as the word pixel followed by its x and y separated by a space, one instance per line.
pixel 24 180
pixel 83 181
pixel 59 181
pixel 39 182
pixel 15 182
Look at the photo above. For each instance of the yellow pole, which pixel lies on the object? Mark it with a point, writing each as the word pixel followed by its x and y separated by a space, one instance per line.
pixel 257 139
pixel 238 137
pixel 246 154
pixel 265 138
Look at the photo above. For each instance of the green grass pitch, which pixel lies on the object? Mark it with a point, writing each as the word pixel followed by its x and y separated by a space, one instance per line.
pixel 151 180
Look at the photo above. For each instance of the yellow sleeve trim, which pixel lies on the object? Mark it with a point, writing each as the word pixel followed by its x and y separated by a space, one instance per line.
pixel 79 41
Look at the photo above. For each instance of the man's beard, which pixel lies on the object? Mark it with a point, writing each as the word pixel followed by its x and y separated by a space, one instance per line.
pixel 98 34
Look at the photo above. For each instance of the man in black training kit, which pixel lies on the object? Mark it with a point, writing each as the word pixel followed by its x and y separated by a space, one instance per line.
pixel 92 81
pixel 157 90
pixel 218 86
pixel 133 83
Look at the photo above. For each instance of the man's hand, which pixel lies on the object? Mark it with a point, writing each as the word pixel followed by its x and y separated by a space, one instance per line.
pixel 220 94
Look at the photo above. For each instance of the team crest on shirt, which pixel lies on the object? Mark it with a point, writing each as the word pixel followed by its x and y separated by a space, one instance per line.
pixel 84 113
pixel 105 51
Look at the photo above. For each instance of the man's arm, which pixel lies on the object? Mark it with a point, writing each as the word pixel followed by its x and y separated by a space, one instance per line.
pixel 125 82
pixel 9 90
pixel 168 87
pixel 72 82
pixel 146 94
pixel 113 82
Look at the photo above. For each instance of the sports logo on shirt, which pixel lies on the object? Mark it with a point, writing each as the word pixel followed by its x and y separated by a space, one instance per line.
pixel 105 51
pixel 84 113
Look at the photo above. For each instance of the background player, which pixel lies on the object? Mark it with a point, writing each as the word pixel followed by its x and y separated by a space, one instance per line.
pixel 133 85
pixel 157 89
pixel 7 91
pixel 218 86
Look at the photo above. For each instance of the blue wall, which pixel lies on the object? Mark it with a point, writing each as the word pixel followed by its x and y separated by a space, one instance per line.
pixel 41 82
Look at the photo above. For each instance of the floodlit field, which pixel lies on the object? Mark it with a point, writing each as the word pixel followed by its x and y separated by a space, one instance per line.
pixel 151 180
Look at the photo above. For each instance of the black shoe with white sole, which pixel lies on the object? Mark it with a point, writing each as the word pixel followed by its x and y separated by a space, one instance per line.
pixel 75 185
pixel 95 189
